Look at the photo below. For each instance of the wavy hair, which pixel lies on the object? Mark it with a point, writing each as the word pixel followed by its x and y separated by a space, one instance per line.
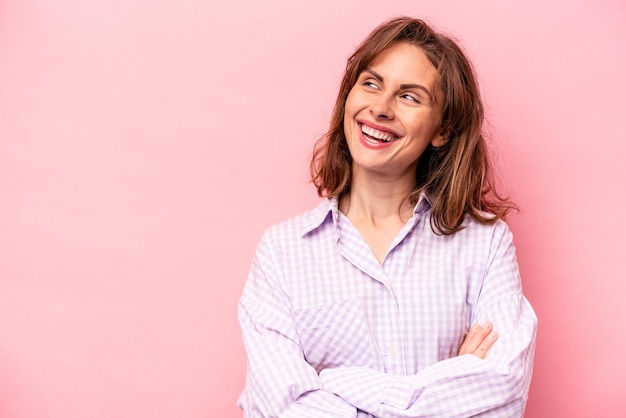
pixel 456 176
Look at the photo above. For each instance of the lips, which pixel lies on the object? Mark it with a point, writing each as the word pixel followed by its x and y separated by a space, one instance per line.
pixel 378 134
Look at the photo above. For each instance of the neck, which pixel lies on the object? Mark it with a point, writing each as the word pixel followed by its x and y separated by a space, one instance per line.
pixel 378 200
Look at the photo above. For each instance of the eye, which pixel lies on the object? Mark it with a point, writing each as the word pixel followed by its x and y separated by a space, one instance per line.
pixel 370 84
pixel 411 97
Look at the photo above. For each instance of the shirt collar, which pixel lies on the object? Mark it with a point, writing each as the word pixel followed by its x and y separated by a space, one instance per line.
pixel 315 218
pixel 423 203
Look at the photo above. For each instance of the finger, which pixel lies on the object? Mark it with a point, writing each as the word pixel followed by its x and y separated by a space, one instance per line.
pixel 475 337
pixel 464 348
pixel 483 349
pixel 487 353
pixel 468 345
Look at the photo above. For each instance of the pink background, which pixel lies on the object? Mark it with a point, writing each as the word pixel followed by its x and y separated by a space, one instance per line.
pixel 145 145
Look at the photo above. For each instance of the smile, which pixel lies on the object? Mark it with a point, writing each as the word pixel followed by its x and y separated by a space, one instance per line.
pixel 376 135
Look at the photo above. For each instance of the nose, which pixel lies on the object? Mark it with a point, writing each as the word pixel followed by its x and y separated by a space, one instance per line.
pixel 382 107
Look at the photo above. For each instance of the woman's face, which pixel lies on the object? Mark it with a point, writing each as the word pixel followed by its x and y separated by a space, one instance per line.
pixel 392 113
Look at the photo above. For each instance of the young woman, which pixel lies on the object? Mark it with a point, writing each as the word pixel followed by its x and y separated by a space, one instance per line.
pixel 385 299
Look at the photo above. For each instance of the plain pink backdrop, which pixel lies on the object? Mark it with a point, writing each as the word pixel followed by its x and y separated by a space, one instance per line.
pixel 145 145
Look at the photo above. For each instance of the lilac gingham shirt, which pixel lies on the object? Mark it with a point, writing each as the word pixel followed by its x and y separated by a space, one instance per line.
pixel 330 332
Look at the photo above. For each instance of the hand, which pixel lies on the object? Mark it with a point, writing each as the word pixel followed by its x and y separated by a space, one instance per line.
pixel 479 340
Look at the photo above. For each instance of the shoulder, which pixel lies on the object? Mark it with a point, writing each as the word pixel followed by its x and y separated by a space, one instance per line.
pixel 478 237
pixel 289 244
pixel 297 227
pixel 493 241
pixel 496 228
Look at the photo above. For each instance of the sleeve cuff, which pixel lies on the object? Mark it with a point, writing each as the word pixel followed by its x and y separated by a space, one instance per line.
pixel 361 387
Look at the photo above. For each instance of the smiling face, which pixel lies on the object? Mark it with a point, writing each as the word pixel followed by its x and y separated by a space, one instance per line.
pixel 392 113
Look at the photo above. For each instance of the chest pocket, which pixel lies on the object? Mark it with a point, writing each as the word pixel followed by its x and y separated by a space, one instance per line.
pixel 335 335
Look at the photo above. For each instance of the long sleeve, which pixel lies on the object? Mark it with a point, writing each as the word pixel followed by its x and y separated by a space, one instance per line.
pixel 279 382
pixel 465 385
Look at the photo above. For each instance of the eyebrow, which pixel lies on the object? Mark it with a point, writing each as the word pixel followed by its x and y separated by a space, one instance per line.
pixel 402 86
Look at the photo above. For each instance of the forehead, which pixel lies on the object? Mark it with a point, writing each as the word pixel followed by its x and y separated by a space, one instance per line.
pixel 406 61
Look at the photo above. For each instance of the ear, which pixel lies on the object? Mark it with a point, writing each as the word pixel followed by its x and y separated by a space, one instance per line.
pixel 439 139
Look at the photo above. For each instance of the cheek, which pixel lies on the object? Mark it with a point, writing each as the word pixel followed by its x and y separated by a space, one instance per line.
pixel 350 111
pixel 415 127
pixel 422 124
pixel 346 128
pixel 350 104
pixel 357 100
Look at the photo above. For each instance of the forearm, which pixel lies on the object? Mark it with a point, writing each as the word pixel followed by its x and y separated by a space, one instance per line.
pixel 460 386
pixel 314 404
pixel 279 382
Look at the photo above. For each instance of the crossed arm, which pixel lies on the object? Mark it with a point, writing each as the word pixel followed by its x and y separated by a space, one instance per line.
pixel 480 381
pixel 461 386
pixel 281 383
pixel 479 340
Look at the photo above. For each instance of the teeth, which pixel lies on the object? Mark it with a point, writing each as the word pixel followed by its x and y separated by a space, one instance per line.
pixel 382 136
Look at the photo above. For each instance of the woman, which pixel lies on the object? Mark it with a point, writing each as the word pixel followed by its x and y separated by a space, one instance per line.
pixel 386 298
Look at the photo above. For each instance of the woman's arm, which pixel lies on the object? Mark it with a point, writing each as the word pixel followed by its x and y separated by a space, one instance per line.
pixel 279 382
pixel 479 340
pixel 465 385
pixel 461 386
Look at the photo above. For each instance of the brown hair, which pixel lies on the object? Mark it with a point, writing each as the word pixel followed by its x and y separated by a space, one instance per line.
pixel 456 176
